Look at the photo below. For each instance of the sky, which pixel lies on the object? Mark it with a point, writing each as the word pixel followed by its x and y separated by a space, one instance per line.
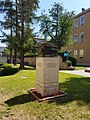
pixel 70 5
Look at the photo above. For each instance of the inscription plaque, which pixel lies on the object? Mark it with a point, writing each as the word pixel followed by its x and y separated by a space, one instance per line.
pixel 51 65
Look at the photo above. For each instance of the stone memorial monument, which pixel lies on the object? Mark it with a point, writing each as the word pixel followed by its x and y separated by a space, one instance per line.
pixel 47 71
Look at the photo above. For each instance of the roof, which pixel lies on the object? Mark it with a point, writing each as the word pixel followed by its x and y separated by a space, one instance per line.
pixel 37 39
pixel 2 47
pixel 46 43
pixel 81 13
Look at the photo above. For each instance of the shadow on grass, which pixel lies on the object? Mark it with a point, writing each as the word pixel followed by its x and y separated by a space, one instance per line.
pixel 13 71
pixel 8 72
pixel 77 89
pixel 20 100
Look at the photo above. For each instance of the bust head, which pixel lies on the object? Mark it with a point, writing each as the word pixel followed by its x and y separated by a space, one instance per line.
pixel 46 49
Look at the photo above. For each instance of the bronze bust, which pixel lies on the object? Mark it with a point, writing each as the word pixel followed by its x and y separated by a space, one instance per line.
pixel 46 49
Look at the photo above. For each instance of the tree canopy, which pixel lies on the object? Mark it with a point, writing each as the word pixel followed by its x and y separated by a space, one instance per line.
pixel 57 24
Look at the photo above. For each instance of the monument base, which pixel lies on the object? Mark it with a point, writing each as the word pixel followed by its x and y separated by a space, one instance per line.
pixel 41 98
pixel 47 75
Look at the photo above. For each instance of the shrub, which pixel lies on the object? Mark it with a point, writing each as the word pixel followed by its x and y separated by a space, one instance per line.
pixel 1 65
pixel 31 55
pixel 62 54
pixel 65 58
pixel 73 60
pixel 8 70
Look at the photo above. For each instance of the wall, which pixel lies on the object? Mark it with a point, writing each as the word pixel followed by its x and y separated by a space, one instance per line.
pixel 32 62
pixel 3 59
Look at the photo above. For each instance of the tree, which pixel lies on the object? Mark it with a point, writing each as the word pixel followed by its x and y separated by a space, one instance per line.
pixel 5 51
pixel 20 25
pixel 27 14
pixel 57 24
pixel 6 7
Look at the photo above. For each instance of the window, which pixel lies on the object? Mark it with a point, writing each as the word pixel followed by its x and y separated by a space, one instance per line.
pixel 81 36
pixel 75 52
pixel 81 20
pixel 76 23
pixel 81 52
pixel 75 38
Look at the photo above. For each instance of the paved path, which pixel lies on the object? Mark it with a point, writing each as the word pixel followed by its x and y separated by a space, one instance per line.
pixel 77 72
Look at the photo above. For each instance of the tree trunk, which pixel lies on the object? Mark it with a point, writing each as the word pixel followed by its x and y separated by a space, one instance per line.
pixel 11 55
pixel 11 58
pixel 15 55
pixel 22 37
pixel 22 59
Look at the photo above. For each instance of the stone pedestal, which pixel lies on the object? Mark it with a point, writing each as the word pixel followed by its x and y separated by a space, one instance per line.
pixel 47 75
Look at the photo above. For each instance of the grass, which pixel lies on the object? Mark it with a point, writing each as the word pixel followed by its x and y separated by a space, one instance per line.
pixel 80 68
pixel 16 104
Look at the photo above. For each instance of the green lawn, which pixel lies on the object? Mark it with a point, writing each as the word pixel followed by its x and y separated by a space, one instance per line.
pixel 80 67
pixel 16 104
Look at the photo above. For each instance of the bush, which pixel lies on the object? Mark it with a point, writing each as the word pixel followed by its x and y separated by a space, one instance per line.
pixel 62 54
pixel 65 58
pixel 8 70
pixel 1 65
pixel 31 55
pixel 73 60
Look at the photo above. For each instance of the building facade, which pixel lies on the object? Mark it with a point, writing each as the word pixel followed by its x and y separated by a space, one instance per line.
pixel 80 47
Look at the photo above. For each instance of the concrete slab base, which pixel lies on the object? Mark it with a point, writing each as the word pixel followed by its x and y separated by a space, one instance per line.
pixel 41 98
